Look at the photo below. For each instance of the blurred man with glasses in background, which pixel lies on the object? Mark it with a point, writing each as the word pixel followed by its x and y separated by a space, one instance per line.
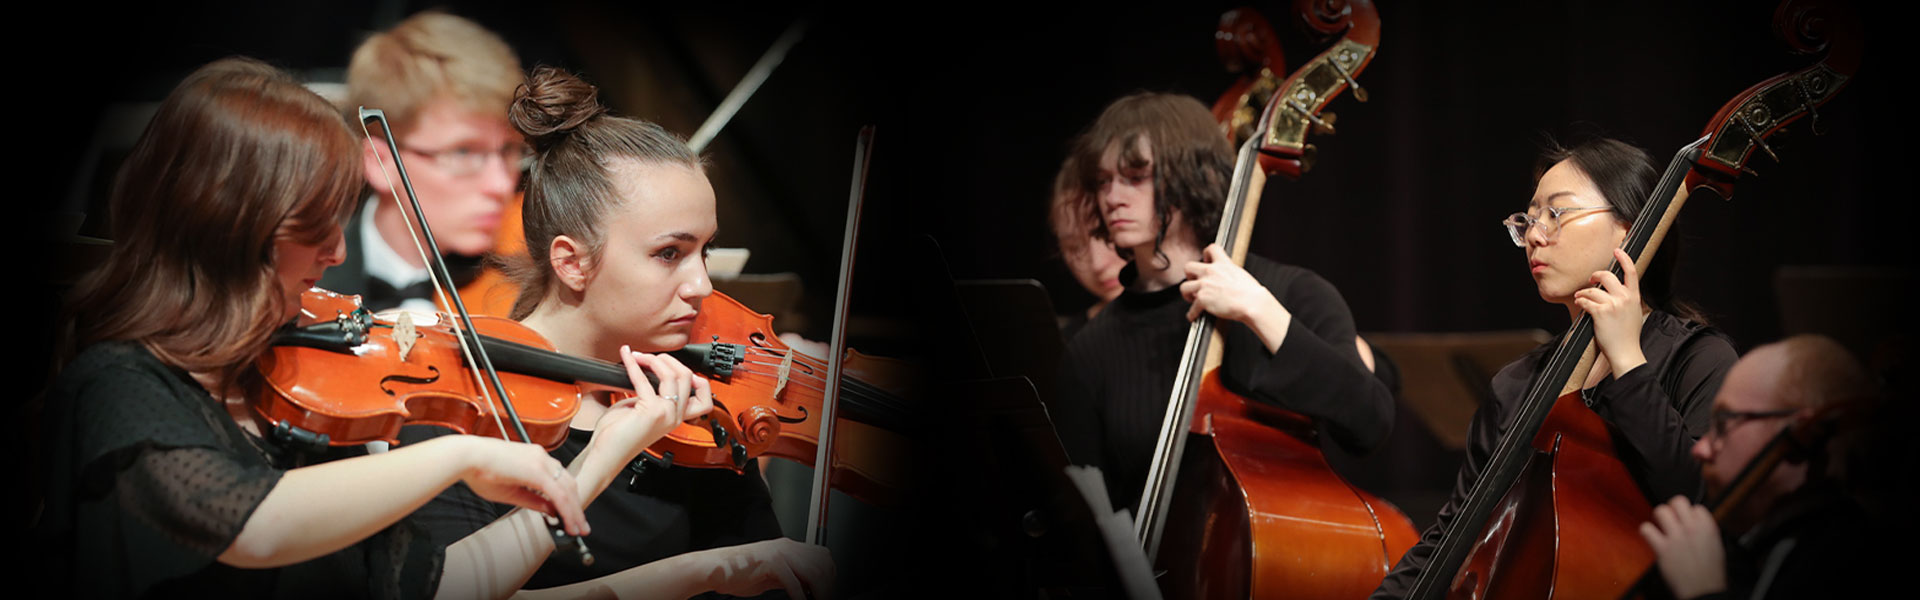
pixel 445 83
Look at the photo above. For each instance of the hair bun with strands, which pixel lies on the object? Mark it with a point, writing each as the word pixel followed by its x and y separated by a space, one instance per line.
pixel 551 104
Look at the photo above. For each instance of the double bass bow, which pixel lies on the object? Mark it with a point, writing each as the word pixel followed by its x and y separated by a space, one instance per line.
pixel 1262 513
pixel 1553 483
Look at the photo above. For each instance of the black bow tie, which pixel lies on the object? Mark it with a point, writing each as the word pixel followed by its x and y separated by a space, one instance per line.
pixel 382 295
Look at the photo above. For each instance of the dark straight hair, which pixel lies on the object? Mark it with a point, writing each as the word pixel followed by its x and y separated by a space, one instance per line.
pixel 1625 175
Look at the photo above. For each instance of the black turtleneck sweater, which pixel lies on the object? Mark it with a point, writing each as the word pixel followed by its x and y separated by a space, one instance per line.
pixel 1118 372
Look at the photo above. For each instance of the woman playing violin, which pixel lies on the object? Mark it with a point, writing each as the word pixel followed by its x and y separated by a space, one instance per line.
pixel 618 219
pixel 1658 367
pixel 1154 174
pixel 159 480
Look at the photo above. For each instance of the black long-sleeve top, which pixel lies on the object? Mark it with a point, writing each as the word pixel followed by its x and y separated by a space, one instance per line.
pixel 637 520
pixel 1118 372
pixel 1659 408
pixel 148 480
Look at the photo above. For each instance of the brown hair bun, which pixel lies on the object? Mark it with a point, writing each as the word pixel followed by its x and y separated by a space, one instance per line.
pixel 551 104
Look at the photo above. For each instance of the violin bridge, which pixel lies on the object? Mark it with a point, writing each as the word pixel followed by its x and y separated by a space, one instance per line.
pixel 786 371
pixel 404 334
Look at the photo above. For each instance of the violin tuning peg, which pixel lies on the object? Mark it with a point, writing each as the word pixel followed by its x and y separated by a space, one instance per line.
pixel 739 455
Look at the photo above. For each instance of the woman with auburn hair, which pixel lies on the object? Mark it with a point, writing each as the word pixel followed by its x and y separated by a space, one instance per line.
pixel 618 219
pixel 158 480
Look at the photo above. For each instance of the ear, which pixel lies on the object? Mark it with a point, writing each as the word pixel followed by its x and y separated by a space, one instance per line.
pixel 374 159
pixel 1620 233
pixel 568 259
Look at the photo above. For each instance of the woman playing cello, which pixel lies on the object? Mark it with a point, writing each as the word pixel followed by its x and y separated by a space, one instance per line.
pixel 1659 366
pixel 158 478
pixel 1155 172
pixel 618 219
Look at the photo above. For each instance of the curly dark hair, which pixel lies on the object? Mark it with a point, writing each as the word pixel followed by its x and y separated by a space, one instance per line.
pixel 1187 155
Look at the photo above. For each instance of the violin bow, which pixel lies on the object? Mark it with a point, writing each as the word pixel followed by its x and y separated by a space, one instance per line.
pixel 442 278
pixel 823 457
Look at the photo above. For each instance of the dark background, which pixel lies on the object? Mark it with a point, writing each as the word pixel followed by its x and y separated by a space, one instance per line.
pixel 975 107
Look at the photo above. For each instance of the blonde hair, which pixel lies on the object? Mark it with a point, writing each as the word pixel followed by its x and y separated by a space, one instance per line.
pixel 428 57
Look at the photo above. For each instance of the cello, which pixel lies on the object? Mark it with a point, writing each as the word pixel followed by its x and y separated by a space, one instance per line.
pixel 1553 483
pixel 1261 513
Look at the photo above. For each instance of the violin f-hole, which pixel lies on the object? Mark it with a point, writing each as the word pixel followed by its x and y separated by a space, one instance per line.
pixel 435 376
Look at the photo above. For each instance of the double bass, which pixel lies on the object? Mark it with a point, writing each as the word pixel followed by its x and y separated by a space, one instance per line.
pixel 1258 512
pixel 1554 512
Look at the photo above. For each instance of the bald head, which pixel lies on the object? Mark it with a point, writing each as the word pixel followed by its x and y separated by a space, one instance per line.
pixel 1810 371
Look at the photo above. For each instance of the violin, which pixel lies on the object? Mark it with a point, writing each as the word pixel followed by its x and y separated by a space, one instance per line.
pixel 342 376
pixel 1554 484
pixel 770 401
pixel 1260 513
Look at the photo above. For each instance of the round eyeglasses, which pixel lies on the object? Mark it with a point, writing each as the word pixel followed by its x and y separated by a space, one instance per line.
pixel 1519 223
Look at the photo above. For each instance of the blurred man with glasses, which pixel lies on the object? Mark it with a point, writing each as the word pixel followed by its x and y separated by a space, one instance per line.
pixel 445 83
pixel 1800 532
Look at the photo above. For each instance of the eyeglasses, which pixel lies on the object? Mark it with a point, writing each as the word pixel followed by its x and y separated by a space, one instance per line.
pixel 1518 223
pixel 1724 420
pixel 464 161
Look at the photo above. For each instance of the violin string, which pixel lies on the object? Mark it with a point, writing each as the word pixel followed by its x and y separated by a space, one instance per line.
pixel 440 292
pixel 861 393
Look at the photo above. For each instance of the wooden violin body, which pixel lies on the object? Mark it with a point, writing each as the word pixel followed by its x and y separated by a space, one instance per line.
pixel 367 393
pixel 773 398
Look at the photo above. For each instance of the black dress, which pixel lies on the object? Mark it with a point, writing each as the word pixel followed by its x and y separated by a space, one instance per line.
pixel 637 520
pixel 148 480
pixel 1659 409
pixel 1118 372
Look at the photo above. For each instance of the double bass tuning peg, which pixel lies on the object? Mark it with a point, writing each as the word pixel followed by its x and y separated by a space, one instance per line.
pixel 1324 124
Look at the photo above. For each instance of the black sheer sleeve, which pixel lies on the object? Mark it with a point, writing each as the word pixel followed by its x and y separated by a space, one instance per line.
pixel 148 480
